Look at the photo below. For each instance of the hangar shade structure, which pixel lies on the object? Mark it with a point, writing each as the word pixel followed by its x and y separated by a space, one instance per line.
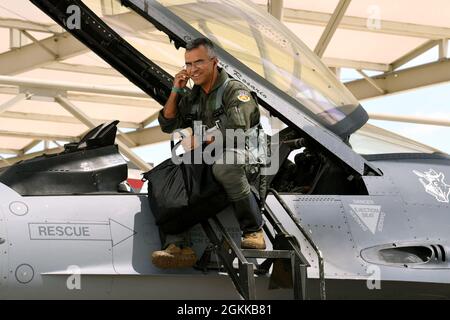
pixel 52 88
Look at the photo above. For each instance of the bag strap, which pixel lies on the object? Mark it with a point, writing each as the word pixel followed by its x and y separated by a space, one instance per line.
pixel 220 92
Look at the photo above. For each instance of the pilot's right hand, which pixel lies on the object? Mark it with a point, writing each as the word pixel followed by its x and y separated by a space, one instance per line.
pixel 181 79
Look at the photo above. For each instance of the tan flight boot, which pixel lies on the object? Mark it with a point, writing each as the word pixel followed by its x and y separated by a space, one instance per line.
pixel 254 240
pixel 174 257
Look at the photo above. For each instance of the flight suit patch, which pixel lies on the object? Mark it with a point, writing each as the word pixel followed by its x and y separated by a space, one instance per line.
pixel 243 96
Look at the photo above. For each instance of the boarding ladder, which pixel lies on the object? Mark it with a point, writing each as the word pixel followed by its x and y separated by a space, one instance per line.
pixel 289 264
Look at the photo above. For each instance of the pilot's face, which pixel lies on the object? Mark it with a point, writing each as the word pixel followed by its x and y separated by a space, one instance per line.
pixel 199 66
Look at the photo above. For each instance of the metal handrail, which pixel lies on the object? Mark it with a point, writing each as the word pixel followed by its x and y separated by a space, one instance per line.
pixel 308 238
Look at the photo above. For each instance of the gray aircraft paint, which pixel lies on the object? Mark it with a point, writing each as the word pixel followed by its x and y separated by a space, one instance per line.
pixel 116 262
pixel 3 252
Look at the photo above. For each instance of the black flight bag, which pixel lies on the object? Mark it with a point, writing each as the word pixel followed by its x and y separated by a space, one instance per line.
pixel 182 195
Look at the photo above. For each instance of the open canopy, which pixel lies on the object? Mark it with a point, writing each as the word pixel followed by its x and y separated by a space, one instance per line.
pixel 257 40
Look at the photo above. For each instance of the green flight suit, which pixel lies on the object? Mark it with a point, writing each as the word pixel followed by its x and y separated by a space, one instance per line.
pixel 241 111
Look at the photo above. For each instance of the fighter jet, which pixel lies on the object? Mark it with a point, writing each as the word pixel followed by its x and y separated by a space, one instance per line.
pixel 340 224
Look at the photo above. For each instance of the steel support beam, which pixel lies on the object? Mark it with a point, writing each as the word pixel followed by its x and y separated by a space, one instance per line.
pixel 61 119
pixel 12 102
pixel 68 86
pixel 146 103
pixel 8 151
pixel 148 136
pixel 336 71
pixel 331 27
pixel 39 136
pixel 33 56
pixel 398 81
pixel 29 25
pixel 95 70
pixel 150 119
pixel 125 139
pixel 360 24
pixel 275 8
pixel 409 119
pixel 413 54
pixel 353 64
pixel 40 44
pixel 29 147
pixel 443 49
pixel 17 39
pixel 372 81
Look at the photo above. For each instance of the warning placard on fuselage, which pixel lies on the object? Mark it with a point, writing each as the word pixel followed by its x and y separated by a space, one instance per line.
pixel 70 231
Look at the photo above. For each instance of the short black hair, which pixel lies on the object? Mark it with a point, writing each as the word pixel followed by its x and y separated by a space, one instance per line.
pixel 208 44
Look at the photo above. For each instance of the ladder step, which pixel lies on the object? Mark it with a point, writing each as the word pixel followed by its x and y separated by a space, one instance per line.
pixel 289 265
pixel 273 254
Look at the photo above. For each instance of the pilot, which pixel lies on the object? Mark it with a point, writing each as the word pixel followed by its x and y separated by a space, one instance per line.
pixel 241 112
